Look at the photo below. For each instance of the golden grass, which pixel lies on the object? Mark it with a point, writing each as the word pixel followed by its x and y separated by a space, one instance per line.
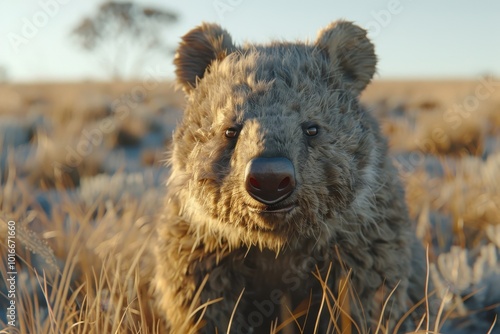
pixel 103 283
pixel 92 267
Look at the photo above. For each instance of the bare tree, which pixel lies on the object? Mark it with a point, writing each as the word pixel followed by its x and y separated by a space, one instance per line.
pixel 125 35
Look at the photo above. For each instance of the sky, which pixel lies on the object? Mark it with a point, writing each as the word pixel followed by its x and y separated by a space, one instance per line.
pixel 416 39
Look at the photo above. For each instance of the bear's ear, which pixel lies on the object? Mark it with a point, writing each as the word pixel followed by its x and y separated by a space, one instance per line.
pixel 350 52
pixel 197 50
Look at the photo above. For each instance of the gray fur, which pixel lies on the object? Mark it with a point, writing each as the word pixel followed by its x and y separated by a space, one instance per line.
pixel 350 213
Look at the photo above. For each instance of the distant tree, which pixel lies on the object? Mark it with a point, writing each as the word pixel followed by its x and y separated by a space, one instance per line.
pixel 124 35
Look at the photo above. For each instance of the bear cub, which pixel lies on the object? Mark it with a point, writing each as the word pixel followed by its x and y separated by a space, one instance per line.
pixel 283 211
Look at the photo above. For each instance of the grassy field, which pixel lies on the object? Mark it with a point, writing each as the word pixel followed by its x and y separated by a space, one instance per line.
pixel 82 177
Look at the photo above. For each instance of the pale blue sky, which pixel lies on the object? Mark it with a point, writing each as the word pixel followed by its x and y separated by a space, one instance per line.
pixel 419 39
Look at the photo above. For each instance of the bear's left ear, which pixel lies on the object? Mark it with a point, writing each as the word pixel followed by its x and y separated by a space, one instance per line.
pixel 197 50
pixel 350 52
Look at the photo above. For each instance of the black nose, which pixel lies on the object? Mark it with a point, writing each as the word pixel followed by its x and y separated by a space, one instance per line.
pixel 270 180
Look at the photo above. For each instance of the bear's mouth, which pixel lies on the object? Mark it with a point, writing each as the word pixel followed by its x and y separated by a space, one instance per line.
pixel 284 208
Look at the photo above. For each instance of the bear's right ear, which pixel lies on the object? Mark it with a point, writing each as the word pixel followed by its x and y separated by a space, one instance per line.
pixel 197 50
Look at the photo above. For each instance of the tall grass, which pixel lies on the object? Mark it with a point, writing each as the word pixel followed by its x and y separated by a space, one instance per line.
pixel 83 258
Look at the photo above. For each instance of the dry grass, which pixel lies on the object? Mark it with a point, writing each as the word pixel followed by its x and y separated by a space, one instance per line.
pixel 100 283
pixel 89 216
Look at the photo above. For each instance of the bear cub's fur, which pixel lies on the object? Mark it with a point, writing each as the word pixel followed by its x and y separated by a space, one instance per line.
pixel 280 188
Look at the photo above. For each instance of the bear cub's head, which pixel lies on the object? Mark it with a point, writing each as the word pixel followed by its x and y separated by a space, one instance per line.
pixel 273 146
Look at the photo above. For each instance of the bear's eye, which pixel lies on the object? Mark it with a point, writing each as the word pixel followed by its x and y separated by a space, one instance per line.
pixel 231 133
pixel 312 130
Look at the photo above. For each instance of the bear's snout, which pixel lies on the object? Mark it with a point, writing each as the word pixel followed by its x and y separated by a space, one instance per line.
pixel 270 180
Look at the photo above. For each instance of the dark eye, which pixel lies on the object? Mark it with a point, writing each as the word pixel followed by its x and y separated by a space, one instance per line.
pixel 312 130
pixel 231 133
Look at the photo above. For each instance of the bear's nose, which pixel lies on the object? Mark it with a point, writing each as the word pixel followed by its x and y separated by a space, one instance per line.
pixel 270 180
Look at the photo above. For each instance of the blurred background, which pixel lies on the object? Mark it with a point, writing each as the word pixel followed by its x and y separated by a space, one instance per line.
pixel 88 107
pixel 414 39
